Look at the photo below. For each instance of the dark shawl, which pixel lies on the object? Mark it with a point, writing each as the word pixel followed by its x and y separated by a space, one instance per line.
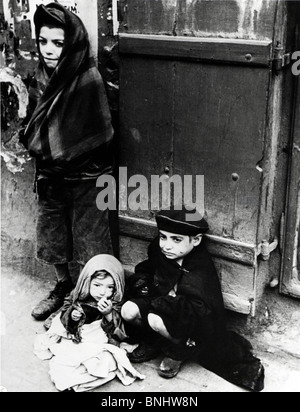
pixel 198 309
pixel 197 312
pixel 71 114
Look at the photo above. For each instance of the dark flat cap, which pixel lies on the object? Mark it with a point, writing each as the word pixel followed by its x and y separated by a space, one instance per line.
pixel 186 222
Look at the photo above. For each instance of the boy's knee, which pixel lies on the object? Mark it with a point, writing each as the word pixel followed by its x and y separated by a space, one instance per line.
pixel 130 312
pixel 156 323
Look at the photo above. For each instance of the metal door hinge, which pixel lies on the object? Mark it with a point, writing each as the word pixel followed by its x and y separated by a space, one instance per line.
pixel 266 248
pixel 280 59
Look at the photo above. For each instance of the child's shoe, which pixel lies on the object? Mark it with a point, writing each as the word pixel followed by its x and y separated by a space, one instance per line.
pixel 169 368
pixel 53 302
pixel 144 353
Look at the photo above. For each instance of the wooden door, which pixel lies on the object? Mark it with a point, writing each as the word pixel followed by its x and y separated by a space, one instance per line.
pixel 199 97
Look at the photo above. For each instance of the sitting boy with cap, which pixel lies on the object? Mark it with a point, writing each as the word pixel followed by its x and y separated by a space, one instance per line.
pixel 175 296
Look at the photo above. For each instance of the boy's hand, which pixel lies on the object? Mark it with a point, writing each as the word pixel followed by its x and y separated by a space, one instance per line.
pixel 105 306
pixel 76 315
pixel 172 293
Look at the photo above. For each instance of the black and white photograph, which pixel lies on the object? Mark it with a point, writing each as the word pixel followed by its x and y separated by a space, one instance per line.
pixel 150 198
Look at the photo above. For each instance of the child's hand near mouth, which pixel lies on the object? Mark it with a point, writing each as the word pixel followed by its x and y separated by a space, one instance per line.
pixel 105 306
pixel 76 315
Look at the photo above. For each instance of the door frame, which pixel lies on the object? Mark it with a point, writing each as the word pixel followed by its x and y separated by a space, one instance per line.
pixel 290 282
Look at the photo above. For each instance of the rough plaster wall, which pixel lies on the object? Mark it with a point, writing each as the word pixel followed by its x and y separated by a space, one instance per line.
pixel 14 100
pixel 18 61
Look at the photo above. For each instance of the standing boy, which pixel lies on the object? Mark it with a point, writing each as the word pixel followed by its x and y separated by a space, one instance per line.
pixel 69 133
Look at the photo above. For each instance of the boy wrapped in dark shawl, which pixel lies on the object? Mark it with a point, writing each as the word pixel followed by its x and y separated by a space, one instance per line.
pixel 69 112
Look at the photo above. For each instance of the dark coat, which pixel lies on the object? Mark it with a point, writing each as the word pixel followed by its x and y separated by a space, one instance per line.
pixel 197 312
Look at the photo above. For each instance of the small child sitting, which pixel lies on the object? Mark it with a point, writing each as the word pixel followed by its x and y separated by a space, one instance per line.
pixel 79 342
pixel 175 296
pixel 97 296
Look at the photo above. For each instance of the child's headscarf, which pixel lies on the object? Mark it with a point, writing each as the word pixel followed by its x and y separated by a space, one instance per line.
pixel 100 263
pixel 81 296
pixel 71 116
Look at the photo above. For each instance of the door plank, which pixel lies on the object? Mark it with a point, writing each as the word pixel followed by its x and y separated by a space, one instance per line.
pixel 219 133
pixel 219 247
pixel 245 52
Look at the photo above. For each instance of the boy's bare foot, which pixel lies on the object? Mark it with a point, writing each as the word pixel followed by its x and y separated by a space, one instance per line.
pixel 169 368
